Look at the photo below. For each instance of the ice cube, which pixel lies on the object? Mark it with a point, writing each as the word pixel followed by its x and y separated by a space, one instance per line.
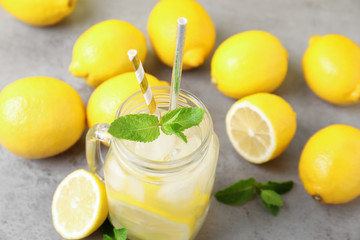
pixel 114 175
pixel 179 192
pixel 156 150
pixel 135 188
pixel 167 147
pixel 183 149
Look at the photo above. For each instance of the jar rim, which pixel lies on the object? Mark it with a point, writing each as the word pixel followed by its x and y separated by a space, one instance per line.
pixel 151 164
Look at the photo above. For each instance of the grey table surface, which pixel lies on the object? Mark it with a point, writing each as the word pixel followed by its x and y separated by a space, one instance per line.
pixel 27 186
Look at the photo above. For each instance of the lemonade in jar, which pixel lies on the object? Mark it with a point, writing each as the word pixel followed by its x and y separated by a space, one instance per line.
pixel 158 190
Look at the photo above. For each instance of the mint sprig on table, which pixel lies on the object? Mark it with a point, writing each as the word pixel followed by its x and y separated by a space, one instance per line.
pixel 119 234
pixel 244 190
pixel 146 127
pixel 111 233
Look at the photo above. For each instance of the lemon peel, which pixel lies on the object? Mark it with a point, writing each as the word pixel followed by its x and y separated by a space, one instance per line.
pixel 40 117
pixel 249 62
pixel 330 163
pixel 39 12
pixel 100 53
pixel 331 69
pixel 107 98
pixel 200 32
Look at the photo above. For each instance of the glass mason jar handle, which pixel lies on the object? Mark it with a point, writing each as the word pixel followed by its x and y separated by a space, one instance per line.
pixel 97 134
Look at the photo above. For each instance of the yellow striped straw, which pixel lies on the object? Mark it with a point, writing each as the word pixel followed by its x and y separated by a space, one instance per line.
pixel 144 84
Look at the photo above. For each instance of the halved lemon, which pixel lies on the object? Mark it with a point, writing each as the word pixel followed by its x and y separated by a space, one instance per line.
pixel 79 205
pixel 260 126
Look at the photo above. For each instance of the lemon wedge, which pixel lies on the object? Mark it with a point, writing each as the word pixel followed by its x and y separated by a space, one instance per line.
pixel 260 126
pixel 79 205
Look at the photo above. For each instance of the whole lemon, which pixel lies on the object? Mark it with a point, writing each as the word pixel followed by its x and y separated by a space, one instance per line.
pixel 39 12
pixel 249 62
pixel 331 67
pixel 107 98
pixel 330 164
pixel 200 32
pixel 101 52
pixel 40 117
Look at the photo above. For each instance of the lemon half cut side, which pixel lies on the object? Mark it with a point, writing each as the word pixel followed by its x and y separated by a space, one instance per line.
pixel 260 126
pixel 250 132
pixel 79 205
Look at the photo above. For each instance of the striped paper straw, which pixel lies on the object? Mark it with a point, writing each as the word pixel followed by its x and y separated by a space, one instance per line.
pixel 177 67
pixel 144 84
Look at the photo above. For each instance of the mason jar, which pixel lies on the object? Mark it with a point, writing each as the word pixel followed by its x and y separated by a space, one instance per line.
pixel 159 190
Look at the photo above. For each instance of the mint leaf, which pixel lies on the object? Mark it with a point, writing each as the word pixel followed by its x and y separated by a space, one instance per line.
pixel 171 129
pixel 274 210
pixel 271 197
pixel 238 193
pixel 120 234
pixel 244 190
pixel 136 127
pixel 279 187
pixel 145 127
pixel 181 135
pixel 107 237
pixel 183 118
pixel 178 120
pixel 110 233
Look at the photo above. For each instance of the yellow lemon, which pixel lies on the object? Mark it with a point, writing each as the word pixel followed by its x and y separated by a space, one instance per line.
pixel 79 205
pixel 107 98
pixel 200 32
pixel 101 52
pixel 248 63
pixel 331 67
pixel 329 165
pixel 40 117
pixel 39 12
pixel 260 126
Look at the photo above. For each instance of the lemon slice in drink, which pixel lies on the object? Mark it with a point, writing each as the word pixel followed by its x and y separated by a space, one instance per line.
pixel 145 225
pixel 260 126
pixel 79 205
